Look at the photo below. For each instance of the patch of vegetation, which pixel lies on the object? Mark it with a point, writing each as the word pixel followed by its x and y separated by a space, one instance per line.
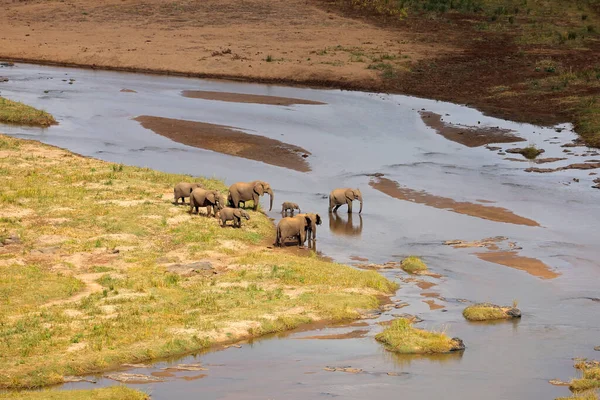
pixel 413 265
pixel 133 309
pixel 531 152
pixel 108 393
pixel 588 122
pixel 489 312
pixel 401 337
pixel 13 112
pixel 590 395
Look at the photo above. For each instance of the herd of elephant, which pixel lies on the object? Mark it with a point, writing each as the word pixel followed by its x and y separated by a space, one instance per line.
pixel 300 227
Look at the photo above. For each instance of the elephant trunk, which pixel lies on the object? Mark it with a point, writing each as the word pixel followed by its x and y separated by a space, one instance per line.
pixel 270 195
pixel 361 204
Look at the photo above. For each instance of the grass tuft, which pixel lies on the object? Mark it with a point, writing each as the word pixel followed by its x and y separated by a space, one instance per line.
pixel 413 265
pixel 401 337
pixel 13 112
pixel 489 312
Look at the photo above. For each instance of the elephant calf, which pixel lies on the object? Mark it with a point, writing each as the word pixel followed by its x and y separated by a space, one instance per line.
pixel 183 190
pixel 289 206
pixel 232 214
pixel 292 227
pixel 211 199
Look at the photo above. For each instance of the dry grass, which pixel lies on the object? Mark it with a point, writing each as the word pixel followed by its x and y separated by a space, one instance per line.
pixel 109 393
pixel 413 265
pixel 401 337
pixel 13 112
pixel 89 279
pixel 586 386
pixel 486 312
pixel 590 395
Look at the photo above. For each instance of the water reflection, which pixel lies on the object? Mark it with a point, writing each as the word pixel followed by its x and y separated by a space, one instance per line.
pixel 404 360
pixel 339 225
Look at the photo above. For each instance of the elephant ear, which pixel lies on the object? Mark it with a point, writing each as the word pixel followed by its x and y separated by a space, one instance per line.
pixel 307 220
pixel 318 217
pixel 259 188
pixel 238 212
pixel 210 196
pixel 349 194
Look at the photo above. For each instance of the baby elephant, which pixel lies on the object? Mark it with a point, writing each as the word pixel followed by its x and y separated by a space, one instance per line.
pixel 232 214
pixel 183 190
pixel 288 205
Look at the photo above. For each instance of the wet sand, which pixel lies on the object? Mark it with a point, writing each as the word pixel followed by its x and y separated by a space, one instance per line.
pixel 512 259
pixel 433 305
pixel 246 98
pixel 470 136
pixel 581 166
pixel 228 140
pixel 498 214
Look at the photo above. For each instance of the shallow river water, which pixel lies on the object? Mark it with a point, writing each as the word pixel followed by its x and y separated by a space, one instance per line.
pixel 350 136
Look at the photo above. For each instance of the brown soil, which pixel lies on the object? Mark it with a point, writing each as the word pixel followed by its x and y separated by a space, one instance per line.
pixel 581 166
pixel 511 259
pixel 426 285
pixel 246 98
pixel 359 333
pixel 228 140
pixel 498 214
pixel 470 136
pixel 433 305
pixel 128 91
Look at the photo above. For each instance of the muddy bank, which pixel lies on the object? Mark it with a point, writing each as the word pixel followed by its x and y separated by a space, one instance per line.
pixel 512 259
pixel 228 140
pixel 246 98
pixel 498 214
pixel 592 164
pixel 470 136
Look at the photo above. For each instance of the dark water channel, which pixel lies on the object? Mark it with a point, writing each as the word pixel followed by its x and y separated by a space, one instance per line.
pixel 352 135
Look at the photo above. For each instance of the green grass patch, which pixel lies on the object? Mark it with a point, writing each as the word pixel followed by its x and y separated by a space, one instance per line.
pixel 402 337
pixel 134 310
pixel 108 393
pixel 489 312
pixel 590 395
pixel 413 265
pixel 13 112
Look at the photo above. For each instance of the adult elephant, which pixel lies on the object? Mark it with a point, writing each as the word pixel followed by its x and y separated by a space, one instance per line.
pixel 244 191
pixel 183 190
pixel 339 197
pixel 211 199
pixel 293 227
pixel 311 230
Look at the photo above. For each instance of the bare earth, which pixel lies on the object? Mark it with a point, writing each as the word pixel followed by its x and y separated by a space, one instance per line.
pixel 211 38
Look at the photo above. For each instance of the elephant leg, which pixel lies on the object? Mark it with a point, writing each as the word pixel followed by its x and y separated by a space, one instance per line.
pixel 349 206
pixel 255 198
pixel 302 239
pixel 330 203
pixel 336 207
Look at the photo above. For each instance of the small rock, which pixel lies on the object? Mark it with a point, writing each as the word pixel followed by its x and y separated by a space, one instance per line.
pixel 3 79
pixel 457 344
pixel 501 153
pixel 13 238
pixel 557 382
pixel 493 148
pixel 69 379
pixel 6 64
pixel 349 370
pixel 575 179
pixel 304 155
pixel 597 348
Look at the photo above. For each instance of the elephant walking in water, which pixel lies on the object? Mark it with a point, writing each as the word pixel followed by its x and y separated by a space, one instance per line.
pixel 339 197
pixel 211 199
pixel 244 191
pixel 183 190
pixel 289 206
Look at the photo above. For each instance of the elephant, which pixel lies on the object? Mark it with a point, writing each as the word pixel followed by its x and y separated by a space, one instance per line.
pixel 183 190
pixel 338 197
pixel 232 214
pixel 287 205
pixel 311 230
pixel 211 199
pixel 339 226
pixel 292 227
pixel 244 191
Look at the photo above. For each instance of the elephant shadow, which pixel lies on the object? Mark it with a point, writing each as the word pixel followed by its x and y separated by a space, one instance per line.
pixel 338 225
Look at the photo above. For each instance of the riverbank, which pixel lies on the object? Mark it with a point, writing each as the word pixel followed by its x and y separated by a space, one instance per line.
pixel 99 269
pixel 536 63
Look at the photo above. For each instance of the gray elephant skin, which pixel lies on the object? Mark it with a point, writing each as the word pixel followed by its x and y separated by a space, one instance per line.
pixel 244 191
pixel 289 206
pixel 292 227
pixel 339 197
pixel 211 199
pixel 232 214
pixel 183 190
pixel 311 230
